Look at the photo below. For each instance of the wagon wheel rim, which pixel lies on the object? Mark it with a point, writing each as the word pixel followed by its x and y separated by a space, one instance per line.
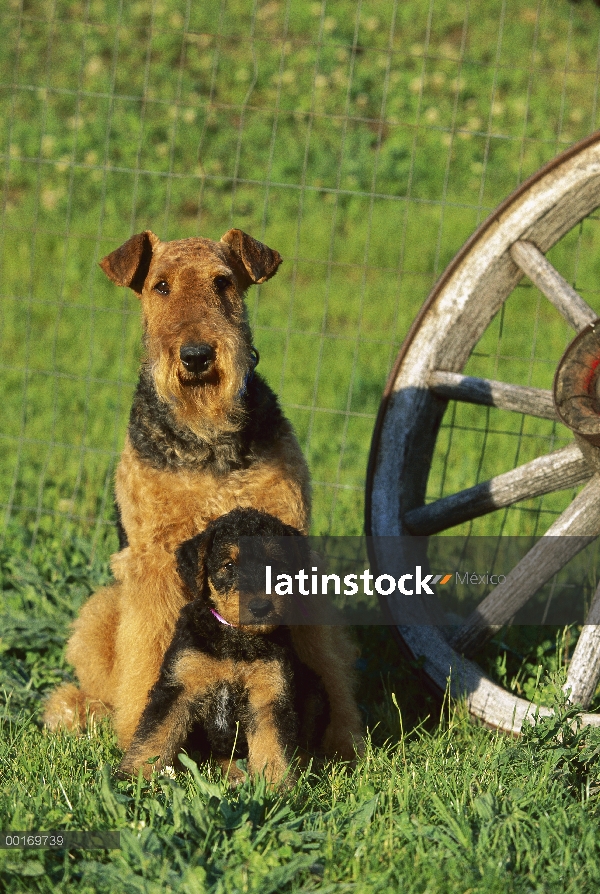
pixel 511 242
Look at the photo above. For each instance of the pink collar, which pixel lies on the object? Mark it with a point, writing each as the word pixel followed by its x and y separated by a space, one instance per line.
pixel 220 618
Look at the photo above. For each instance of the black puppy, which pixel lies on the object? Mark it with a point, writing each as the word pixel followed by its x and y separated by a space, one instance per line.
pixel 231 683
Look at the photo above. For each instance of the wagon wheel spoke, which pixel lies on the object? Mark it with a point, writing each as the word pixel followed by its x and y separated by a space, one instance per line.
pixel 559 470
pixel 489 393
pixel 584 669
pixel 578 525
pixel 540 271
pixel 464 302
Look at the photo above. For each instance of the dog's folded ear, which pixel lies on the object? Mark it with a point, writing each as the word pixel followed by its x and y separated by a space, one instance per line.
pixel 129 264
pixel 190 557
pixel 259 261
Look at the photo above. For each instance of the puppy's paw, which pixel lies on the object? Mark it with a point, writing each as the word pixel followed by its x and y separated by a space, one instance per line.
pixel 130 766
pixel 278 773
pixel 234 775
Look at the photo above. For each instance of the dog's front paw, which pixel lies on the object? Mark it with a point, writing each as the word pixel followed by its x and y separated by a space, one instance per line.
pixel 234 775
pixel 277 772
pixel 343 744
pixel 282 781
pixel 129 766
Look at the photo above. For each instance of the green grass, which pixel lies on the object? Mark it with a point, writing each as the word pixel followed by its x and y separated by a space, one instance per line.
pixel 436 804
pixel 459 810
pixel 365 142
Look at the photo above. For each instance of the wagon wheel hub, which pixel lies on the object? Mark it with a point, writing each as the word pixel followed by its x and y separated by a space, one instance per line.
pixel 577 390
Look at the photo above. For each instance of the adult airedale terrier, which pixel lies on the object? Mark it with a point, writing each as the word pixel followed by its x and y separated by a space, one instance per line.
pixel 231 684
pixel 205 435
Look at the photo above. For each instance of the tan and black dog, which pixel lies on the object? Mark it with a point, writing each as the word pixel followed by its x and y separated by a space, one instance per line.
pixel 206 434
pixel 231 683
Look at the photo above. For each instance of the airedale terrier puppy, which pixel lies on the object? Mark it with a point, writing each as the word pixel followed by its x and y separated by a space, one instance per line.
pixel 231 683
pixel 205 435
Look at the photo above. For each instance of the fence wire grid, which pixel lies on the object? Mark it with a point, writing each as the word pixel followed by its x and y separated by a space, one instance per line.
pixel 363 139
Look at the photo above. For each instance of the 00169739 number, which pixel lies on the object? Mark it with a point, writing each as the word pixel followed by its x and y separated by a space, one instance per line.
pixel 45 839
pixel 86 840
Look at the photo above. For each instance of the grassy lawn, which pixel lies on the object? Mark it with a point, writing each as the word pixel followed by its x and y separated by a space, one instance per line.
pixel 365 141
pixel 436 804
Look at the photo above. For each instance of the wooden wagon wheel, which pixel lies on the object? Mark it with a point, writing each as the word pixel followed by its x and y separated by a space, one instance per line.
pixel 427 374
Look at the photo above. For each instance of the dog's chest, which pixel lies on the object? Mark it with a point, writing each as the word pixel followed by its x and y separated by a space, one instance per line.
pixel 223 716
pixel 167 507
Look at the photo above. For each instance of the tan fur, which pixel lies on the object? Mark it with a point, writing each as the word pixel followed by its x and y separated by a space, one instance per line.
pixel 196 673
pixel 329 652
pixel 231 771
pixel 68 707
pixel 122 633
pixel 265 754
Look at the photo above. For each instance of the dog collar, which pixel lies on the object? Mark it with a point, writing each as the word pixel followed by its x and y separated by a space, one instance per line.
pixel 221 618
pixel 250 374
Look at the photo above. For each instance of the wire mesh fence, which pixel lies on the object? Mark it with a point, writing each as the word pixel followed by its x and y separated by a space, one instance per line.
pixel 363 140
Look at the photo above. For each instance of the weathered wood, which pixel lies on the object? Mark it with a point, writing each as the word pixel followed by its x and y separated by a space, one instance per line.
pixel 576 389
pixel 489 393
pixel 563 296
pixel 578 525
pixel 455 316
pixel 584 668
pixel 556 471
pixel 457 313
pixel 485 699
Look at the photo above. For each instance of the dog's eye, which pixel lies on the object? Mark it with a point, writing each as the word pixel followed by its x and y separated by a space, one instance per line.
pixel 162 287
pixel 221 282
pixel 229 567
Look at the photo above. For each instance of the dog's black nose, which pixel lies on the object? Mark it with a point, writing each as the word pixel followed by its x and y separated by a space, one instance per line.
pixel 196 358
pixel 260 607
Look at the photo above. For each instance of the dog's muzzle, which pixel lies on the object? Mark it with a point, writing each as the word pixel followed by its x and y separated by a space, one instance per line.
pixel 196 358
pixel 260 608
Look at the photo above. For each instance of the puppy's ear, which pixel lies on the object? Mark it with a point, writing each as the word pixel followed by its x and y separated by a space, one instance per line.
pixel 289 531
pixel 129 264
pixel 259 261
pixel 306 554
pixel 191 562
pixel 298 548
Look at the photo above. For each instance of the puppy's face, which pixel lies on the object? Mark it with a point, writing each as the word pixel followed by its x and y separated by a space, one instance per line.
pixel 223 567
